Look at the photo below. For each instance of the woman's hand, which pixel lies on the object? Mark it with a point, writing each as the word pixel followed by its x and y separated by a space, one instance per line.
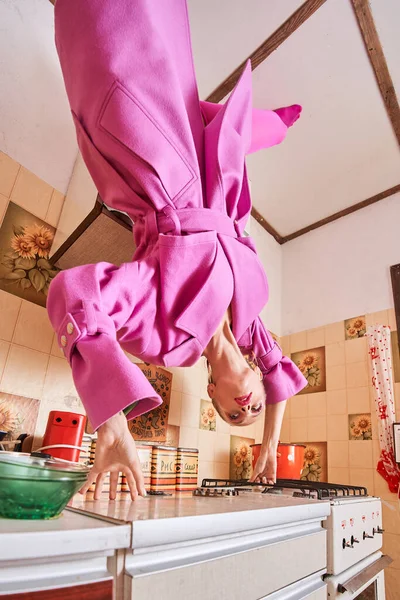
pixel 265 467
pixel 116 452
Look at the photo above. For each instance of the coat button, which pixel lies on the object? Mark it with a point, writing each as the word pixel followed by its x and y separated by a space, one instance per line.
pixel 70 328
pixel 63 341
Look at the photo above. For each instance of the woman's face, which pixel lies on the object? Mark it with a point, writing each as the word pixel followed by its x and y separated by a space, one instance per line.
pixel 239 400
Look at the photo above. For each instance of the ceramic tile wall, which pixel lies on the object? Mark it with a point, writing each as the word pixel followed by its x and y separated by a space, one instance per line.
pixel 31 364
pixel 325 417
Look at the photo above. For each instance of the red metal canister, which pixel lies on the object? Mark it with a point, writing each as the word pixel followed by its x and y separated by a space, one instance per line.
pixel 64 428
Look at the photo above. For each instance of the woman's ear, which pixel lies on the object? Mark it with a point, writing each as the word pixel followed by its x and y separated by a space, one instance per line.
pixel 259 373
pixel 211 390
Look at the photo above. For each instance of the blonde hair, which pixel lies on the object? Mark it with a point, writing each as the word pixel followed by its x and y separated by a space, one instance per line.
pixel 251 360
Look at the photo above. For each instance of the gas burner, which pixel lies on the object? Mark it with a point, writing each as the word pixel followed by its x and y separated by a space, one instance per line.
pixel 215 492
pixel 273 490
pixel 305 494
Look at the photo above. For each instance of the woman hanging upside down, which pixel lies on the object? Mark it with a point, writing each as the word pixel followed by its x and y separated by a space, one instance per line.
pixel 195 286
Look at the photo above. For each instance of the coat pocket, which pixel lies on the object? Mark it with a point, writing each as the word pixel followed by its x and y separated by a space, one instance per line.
pixel 128 122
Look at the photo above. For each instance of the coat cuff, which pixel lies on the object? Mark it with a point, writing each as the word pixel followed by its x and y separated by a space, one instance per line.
pixel 108 382
pixel 282 379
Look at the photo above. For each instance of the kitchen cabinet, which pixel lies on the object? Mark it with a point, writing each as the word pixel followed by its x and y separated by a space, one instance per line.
pixel 252 574
pixel 255 546
pixel 73 557
pixel 102 590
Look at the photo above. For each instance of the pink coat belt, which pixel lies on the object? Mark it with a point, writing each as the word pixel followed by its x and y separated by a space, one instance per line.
pixel 172 221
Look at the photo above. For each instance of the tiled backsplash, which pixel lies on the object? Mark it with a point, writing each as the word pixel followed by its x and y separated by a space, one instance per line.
pixel 348 400
pixel 327 416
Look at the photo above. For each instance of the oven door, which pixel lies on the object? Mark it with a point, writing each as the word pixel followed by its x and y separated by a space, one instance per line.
pixel 363 581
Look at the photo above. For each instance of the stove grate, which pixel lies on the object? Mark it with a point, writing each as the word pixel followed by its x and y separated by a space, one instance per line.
pixel 310 489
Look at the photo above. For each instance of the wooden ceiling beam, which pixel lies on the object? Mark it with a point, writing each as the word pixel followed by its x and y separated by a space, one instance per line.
pixel 300 16
pixel 297 19
pixel 341 213
pixel 268 228
pixel 377 58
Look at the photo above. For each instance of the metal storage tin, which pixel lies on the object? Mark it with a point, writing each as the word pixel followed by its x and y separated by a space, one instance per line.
pixel 187 467
pixel 145 455
pixel 92 452
pixel 85 455
pixel 163 469
pixel 106 482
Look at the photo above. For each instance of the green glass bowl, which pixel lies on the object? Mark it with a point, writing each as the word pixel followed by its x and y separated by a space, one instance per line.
pixel 32 487
pixel 24 467
pixel 36 498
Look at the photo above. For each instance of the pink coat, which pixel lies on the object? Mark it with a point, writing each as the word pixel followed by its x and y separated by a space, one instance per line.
pixel 177 167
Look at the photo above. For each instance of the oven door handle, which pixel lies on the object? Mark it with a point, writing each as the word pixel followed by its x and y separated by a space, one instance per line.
pixel 355 584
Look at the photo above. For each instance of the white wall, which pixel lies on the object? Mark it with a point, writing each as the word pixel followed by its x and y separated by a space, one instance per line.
pixel 342 269
pixel 270 253
pixel 36 128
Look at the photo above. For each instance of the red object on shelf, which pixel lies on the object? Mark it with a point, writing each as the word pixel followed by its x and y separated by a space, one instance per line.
pixel 64 428
pixel 290 462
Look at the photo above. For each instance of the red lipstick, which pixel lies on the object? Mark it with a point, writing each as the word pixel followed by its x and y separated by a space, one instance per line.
pixel 243 400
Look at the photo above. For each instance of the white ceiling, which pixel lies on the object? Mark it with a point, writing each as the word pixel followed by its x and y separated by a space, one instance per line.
pixel 343 149
pixel 225 32
pixel 36 128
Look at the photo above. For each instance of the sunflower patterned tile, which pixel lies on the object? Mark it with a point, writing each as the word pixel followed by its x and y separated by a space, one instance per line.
pixel 241 457
pixel 312 364
pixel 360 427
pixel 25 244
pixel 208 416
pixel 355 328
pixel 315 462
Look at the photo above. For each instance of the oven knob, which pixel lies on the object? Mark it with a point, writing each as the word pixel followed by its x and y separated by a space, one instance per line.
pixel 366 536
pixel 380 530
pixel 354 540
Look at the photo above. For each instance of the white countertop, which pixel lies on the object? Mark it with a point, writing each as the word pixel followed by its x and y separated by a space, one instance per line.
pixel 71 533
pixel 98 526
pixel 165 519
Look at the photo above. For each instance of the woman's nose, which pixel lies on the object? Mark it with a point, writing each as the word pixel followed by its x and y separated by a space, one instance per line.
pixel 246 408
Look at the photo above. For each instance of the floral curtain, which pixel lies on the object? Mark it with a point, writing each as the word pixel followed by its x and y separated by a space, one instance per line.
pixel 382 381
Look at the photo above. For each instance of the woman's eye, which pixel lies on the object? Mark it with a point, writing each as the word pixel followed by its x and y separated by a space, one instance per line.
pixel 256 409
pixel 234 417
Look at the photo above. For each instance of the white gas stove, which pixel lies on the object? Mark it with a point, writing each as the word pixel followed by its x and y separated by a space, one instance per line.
pixel 355 563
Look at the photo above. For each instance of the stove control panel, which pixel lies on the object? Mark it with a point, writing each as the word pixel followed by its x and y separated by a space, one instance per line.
pixel 355 532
